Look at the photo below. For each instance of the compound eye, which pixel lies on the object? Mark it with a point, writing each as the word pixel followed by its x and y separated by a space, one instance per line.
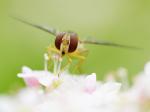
pixel 58 39
pixel 73 42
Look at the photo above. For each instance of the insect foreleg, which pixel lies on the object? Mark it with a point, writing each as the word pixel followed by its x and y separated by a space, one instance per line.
pixel 55 58
pixel 69 61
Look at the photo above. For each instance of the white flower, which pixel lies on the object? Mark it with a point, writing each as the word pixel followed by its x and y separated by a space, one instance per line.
pixel 142 82
pixel 46 92
pixel 37 78
pixel 73 94
pixel 137 97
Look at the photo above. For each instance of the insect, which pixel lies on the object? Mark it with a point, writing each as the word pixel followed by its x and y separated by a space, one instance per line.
pixel 68 44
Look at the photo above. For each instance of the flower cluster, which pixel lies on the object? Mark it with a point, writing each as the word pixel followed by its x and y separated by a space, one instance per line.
pixel 46 92
pixel 68 93
pixel 137 97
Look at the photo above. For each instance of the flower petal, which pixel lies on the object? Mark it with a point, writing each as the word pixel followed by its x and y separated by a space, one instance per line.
pixel 90 83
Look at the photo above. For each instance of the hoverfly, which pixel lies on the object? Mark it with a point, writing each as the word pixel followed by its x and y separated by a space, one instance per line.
pixel 68 44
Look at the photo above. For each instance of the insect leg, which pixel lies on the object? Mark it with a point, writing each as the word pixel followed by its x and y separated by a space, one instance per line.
pixel 51 49
pixel 80 55
pixel 69 61
pixel 55 56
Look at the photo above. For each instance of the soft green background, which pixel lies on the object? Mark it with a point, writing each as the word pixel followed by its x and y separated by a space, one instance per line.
pixel 121 21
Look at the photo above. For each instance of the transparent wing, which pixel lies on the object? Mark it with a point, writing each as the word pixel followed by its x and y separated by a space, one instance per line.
pixel 44 28
pixel 106 43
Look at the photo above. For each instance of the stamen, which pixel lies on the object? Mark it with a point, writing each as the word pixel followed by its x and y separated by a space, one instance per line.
pixel 46 58
pixel 57 64
pixel 122 73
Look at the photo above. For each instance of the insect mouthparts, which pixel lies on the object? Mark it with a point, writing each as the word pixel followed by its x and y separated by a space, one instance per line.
pixel 63 53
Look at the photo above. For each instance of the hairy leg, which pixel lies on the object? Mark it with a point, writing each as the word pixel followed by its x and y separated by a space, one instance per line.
pixel 80 55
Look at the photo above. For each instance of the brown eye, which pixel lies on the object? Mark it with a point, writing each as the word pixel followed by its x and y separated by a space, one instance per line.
pixel 73 42
pixel 58 39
